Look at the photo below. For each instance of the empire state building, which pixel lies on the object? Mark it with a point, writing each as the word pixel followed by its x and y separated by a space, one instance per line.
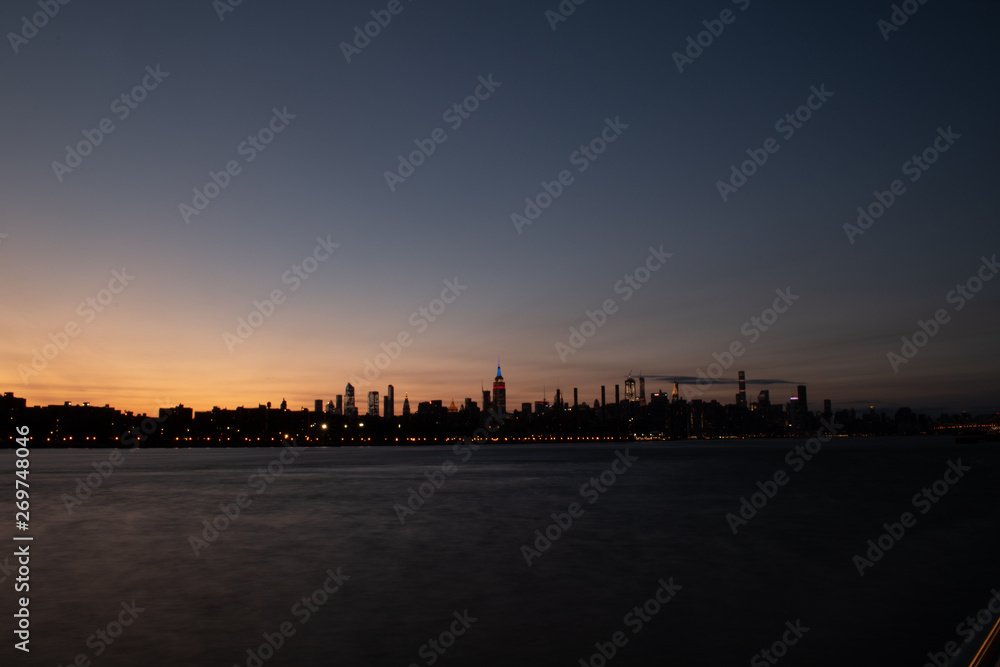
pixel 499 394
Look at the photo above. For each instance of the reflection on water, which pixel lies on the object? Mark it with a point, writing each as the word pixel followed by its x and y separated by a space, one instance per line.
pixel 317 562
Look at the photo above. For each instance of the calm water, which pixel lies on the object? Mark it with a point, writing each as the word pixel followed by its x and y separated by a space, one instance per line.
pixel 663 518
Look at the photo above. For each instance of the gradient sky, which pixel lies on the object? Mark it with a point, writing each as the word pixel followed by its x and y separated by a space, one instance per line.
pixel 160 341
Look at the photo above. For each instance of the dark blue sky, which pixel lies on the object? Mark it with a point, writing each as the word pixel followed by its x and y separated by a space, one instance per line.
pixel 169 333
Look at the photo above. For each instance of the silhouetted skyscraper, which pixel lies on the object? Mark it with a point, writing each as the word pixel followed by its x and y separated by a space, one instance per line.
pixel 349 409
pixel 318 406
pixel 390 402
pixel 340 404
pixel 373 404
pixel 675 395
pixel 764 400
pixel 499 394
pixel 741 398
pixel 803 405
pixel 406 404
pixel 642 389
pixel 575 398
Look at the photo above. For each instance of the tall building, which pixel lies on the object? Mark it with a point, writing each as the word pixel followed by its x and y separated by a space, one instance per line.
pixel 373 404
pixel 284 404
pixel 642 389
pixel 575 398
pixel 499 394
pixel 803 404
pixel 329 407
pixel 318 406
pixel 390 402
pixel 764 400
pixel 406 404
pixel 741 398
pixel 340 404
pixel 487 402
pixel 827 408
pixel 630 388
pixel 675 395
pixel 349 409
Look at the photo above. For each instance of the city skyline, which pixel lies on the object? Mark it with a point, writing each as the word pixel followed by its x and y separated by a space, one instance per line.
pixel 627 388
pixel 644 187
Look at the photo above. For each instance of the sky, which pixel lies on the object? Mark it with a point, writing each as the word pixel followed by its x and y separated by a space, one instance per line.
pixel 599 161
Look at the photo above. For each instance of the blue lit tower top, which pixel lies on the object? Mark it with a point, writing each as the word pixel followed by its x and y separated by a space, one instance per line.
pixel 499 393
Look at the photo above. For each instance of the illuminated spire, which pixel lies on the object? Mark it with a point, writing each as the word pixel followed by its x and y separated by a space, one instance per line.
pixel 499 392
